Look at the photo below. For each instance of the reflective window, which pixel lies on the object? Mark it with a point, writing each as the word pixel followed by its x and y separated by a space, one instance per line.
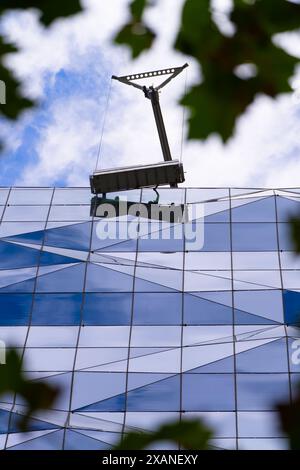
pixel 157 308
pixel 208 392
pixel 259 424
pixel 29 196
pixel 107 309
pixel 56 309
pixel 254 237
pixel 72 196
pixel 25 213
pixel 15 309
pixel 284 235
pixel 3 195
pixel 253 210
pixel 216 237
pixel 153 392
pixel 261 391
pixel 287 207
pixel 70 212
pixel 139 321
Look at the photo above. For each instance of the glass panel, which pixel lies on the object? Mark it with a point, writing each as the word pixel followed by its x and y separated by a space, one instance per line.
pixel 3 195
pixel 291 279
pixel 261 260
pixel 261 391
pixel 199 195
pixel 101 279
pixel 102 359
pixel 206 261
pixel 52 337
pixel 289 260
pixel 295 381
pixel 104 336
pixel 208 392
pixel 15 309
pixel 213 308
pixel 166 195
pixel 56 309
pixel 216 237
pixel 209 212
pixel 163 394
pixel 294 354
pixel 28 232
pixel 158 259
pixel 260 306
pixel 157 279
pixel 43 359
pixel 291 301
pixel 207 281
pixel 17 256
pixel 285 238
pixel 263 444
pixel 72 196
pixel 157 309
pixel 286 208
pixel 150 420
pixel 258 424
pixel 270 357
pixel 113 237
pixel 254 237
pixel 155 360
pixel 73 237
pixel 70 213
pixel 107 309
pixel 223 423
pixel 64 279
pixel 28 196
pixel 168 239
pixel 208 358
pixel 164 336
pixel 13 336
pixel 25 213
pixel 256 280
pixel 91 389
pixel 193 335
pixel 253 210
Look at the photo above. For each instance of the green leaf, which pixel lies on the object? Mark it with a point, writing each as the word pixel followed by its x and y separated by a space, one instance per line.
pixel 137 36
pixel 50 9
pixel 222 97
pixel 272 16
pixel 198 35
pixel 289 415
pixel 137 8
pixel 15 102
pixel 37 395
pixel 189 434
pixel 295 232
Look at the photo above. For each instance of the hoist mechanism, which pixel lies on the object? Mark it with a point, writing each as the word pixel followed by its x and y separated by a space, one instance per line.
pixel 169 172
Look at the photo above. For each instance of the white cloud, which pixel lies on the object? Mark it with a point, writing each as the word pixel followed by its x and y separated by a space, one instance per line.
pixel 264 151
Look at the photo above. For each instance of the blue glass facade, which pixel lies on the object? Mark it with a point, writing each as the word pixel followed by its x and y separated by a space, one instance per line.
pixel 140 330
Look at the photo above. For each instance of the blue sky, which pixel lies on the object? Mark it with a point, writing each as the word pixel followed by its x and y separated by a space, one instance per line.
pixel 68 68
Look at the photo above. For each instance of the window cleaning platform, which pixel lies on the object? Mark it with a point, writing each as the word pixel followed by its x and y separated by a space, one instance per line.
pixel 133 177
pixel 169 172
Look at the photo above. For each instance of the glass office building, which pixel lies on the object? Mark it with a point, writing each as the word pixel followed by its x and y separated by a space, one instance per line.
pixel 139 330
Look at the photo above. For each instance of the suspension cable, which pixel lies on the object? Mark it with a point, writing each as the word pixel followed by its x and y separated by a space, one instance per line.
pixel 103 123
pixel 183 118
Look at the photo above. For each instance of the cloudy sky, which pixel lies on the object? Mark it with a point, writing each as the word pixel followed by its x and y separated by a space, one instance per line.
pixel 68 69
